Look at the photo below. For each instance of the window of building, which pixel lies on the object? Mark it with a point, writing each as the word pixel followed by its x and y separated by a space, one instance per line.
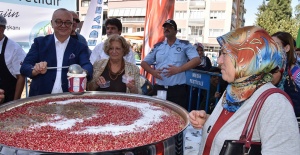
pixel 196 30
pixel 126 12
pixel 83 17
pixel 85 3
pixel 121 12
pixel 197 14
pixel 215 32
pixel 139 29
pixel 217 15
pixel 180 14
pixel 124 29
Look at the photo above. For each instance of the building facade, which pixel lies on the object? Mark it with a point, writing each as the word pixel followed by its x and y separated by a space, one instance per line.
pixel 197 20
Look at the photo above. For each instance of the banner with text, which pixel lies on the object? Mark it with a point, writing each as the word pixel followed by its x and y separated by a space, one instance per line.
pixel 28 19
pixel 92 26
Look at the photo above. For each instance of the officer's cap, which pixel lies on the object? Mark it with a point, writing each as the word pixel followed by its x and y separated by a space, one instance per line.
pixel 171 22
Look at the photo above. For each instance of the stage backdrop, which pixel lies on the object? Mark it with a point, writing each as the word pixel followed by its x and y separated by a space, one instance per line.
pixel 29 19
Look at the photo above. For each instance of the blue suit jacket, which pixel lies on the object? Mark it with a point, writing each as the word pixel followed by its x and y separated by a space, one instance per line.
pixel 43 49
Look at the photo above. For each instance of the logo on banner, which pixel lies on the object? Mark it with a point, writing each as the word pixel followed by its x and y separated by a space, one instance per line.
pixel 92 26
pixel 95 28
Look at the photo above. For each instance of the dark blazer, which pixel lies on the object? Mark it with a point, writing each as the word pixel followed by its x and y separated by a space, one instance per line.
pixel 43 49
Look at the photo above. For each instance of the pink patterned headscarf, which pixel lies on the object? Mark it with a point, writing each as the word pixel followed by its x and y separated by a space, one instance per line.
pixel 254 54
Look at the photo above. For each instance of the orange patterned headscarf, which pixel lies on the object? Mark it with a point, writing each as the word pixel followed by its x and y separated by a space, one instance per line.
pixel 254 54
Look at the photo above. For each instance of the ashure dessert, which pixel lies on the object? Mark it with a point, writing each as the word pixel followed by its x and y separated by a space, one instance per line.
pixel 87 124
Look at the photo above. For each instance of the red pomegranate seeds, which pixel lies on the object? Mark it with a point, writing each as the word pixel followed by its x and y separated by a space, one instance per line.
pixel 89 124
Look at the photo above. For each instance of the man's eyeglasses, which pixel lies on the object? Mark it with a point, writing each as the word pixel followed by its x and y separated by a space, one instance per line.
pixel 60 23
pixel 76 20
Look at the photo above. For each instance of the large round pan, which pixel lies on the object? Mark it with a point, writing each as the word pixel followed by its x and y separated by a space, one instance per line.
pixel 170 146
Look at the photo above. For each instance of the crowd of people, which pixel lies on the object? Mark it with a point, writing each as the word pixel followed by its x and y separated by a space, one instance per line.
pixel 251 61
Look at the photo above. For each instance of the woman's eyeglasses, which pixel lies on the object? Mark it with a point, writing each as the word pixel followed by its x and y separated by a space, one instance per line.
pixel 60 23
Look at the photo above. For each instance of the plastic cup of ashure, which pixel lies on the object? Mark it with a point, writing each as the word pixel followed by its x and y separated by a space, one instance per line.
pixel 105 85
pixel 126 78
pixel 76 83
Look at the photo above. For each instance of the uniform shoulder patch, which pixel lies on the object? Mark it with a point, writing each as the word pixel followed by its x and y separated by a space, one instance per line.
pixel 157 44
pixel 186 42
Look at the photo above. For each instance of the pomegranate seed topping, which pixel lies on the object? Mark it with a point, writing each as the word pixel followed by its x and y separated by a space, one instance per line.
pixel 87 124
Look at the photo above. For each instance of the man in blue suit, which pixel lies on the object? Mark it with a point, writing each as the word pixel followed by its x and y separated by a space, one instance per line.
pixel 55 50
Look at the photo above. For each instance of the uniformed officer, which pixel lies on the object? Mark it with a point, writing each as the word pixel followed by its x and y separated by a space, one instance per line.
pixel 171 57
pixel 11 57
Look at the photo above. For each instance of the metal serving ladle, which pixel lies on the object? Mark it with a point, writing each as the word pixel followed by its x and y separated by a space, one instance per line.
pixel 55 67
pixel 75 69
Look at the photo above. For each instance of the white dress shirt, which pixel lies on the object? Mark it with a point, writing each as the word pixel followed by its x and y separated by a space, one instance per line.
pixel 60 51
pixel 14 56
pixel 98 54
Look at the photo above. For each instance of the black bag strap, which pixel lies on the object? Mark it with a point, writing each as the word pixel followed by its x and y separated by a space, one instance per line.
pixel 253 115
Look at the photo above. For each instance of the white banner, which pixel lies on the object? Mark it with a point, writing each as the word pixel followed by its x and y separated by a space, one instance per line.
pixel 27 20
pixel 92 25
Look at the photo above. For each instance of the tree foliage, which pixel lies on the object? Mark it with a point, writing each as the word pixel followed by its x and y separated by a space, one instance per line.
pixel 297 12
pixel 277 16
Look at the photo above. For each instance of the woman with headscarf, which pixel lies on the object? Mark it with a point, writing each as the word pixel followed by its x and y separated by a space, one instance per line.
pixel 205 64
pixel 247 57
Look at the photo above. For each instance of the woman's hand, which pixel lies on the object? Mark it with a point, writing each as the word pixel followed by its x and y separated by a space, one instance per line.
pixel 131 86
pixel 101 81
pixel 217 95
pixel 198 118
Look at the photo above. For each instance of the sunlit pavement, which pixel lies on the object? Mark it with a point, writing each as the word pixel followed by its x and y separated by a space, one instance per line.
pixel 192 140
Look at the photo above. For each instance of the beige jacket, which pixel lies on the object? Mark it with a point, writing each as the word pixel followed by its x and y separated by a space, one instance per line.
pixel 130 69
